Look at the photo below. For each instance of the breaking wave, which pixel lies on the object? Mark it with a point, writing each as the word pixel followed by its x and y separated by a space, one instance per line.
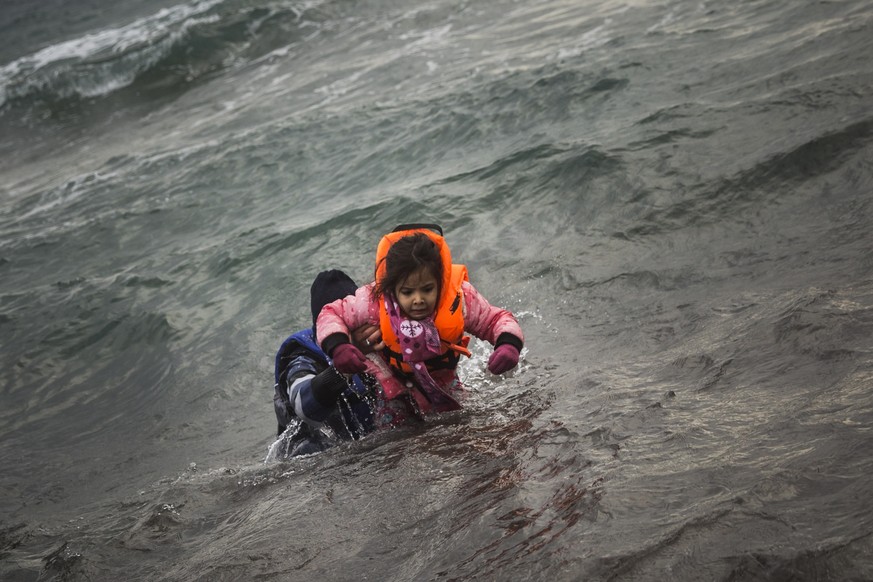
pixel 160 54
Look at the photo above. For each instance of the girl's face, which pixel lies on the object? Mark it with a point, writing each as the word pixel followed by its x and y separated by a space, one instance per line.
pixel 417 294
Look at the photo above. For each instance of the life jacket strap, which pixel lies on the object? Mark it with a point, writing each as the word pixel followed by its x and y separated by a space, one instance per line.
pixel 461 347
pixel 447 360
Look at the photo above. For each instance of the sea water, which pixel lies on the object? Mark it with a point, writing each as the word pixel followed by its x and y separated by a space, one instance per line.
pixel 674 198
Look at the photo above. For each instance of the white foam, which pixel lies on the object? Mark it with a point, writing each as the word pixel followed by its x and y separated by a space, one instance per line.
pixel 100 46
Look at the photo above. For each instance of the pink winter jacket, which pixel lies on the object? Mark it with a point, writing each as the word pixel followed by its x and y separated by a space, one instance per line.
pixel 481 319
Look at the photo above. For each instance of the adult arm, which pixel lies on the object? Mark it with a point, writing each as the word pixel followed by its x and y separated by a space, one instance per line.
pixel 313 388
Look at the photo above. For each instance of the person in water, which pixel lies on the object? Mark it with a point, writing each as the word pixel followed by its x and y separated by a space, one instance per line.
pixel 423 304
pixel 312 391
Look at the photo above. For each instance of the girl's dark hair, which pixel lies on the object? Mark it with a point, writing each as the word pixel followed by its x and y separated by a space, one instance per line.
pixel 405 257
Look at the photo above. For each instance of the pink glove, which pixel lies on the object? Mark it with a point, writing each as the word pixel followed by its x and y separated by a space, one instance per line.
pixel 504 358
pixel 348 359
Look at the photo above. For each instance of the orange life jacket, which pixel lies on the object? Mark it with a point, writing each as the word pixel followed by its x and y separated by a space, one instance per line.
pixel 449 314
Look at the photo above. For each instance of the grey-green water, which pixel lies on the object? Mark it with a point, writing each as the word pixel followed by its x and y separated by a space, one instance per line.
pixel 673 197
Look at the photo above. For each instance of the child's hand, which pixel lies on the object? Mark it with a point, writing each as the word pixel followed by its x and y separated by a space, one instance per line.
pixel 348 359
pixel 504 358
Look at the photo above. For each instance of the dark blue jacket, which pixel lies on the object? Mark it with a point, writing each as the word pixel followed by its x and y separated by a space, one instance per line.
pixel 308 389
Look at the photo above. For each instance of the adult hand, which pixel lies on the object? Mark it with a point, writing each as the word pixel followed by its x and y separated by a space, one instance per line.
pixel 504 358
pixel 368 338
pixel 348 359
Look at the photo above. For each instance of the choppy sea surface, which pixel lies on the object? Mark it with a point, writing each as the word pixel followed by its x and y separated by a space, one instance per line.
pixel 673 196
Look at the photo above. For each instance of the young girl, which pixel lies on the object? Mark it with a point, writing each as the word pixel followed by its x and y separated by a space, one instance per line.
pixel 423 304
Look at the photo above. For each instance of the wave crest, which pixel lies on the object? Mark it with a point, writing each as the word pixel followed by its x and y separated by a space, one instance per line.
pixel 160 53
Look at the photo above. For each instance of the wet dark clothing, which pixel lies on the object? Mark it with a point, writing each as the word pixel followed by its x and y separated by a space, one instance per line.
pixel 311 396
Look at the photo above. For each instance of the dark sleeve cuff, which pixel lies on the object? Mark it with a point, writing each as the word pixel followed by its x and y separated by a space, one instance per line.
pixel 327 386
pixel 332 341
pixel 508 338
